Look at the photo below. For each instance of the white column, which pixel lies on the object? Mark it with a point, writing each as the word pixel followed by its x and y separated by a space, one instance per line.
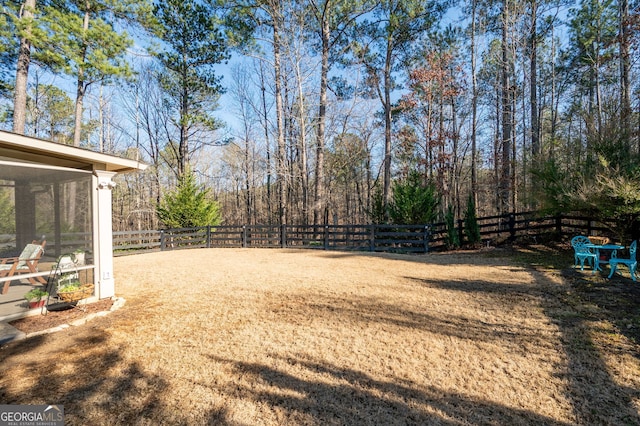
pixel 103 234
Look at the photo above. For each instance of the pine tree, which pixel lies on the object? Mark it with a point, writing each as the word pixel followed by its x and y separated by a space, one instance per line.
pixel 413 201
pixel 193 43
pixel 471 228
pixel 188 205
pixel 453 237
pixel 84 41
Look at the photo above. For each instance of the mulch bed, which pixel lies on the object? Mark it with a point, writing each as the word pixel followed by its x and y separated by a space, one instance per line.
pixel 58 317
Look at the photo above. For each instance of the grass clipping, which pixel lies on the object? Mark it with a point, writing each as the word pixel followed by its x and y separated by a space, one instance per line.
pixel 277 337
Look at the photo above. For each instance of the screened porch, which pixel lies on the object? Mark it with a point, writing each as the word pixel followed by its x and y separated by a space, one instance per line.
pixel 56 197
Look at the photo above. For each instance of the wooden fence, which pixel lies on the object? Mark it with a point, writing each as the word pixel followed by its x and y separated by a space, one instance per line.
pixel 387 238
pixel 405 238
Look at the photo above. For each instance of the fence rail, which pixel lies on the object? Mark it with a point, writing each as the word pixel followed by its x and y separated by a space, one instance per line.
pixel 405 238
pixel 399 238
pixel 388 238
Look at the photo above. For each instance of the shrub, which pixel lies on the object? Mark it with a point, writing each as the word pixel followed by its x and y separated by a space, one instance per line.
pixel 188 206
pixel 414 201
pixel 471 228
pixel 453 237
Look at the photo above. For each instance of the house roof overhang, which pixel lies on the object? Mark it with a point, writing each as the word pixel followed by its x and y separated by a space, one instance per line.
pixel 17 147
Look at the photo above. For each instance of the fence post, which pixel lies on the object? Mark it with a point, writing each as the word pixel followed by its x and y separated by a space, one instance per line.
pixel 208 236
pixel 244 236
pixel 283 236
pixel 559 224
pixel 326 237
pixel 162 240
pixel 372 238
pixel 512 226
pixel 426 238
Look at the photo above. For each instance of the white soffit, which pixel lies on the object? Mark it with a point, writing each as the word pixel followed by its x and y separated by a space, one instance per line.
pixel 23 148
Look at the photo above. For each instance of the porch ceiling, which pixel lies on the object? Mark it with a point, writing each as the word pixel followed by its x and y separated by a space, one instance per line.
pixel 38 174
pixel 16 147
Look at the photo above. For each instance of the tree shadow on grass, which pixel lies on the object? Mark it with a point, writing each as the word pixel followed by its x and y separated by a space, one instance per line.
pixel 359 399
pixel 374 310
pixel 592 313
pixel 616 299
pixel 453 258
pixel 93 382
pixel 576 307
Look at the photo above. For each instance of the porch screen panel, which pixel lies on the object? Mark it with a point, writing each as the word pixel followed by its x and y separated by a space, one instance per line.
pixel 51 203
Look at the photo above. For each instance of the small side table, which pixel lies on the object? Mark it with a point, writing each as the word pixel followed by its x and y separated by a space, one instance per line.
pixel 598 247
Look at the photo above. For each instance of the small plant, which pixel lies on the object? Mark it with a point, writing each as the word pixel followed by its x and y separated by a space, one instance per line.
pixel 69 287
pixel 35 295
pixel 74 291
pixel 78 257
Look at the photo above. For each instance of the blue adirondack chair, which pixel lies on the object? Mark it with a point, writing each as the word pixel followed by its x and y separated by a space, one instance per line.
pixel 631 263
pixel 582 253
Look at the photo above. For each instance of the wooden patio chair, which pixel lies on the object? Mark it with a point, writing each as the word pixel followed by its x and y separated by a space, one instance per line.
pixel 631 262
pixel 26 263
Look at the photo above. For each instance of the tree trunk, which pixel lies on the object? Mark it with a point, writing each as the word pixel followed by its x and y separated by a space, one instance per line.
pixel 280 161
pixel 80 91
pixel 81 87
pixel 319 197
pixel 625 66
pixel 554 104
pixel 474 108
pixel 533 87
pixel 496 148
pixel 598 93
pixel 455 175
pixel 386 192
pixel 183 143
pixel 507 117
pixel 302 147
pixel 267 142
pixel 22 72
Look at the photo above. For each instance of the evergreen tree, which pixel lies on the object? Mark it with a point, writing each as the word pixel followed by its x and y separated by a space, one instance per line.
pixel 85 43
pixel 413 201
pixel 7 61
pixel 592 34
pixel 19 33
pixel 453 237
pixel 50 114
pixel 188 205
pixel 26 26
pixel 471 228
pixel 193 44
pixel 7 48
pixel 612 197
pixel 378 212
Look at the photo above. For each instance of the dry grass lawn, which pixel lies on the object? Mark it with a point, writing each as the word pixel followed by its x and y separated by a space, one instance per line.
pixel 283 337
